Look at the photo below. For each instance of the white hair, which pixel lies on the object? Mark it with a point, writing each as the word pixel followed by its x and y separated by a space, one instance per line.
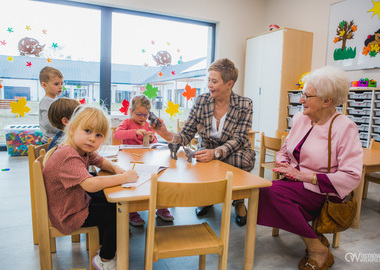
pixel 330 82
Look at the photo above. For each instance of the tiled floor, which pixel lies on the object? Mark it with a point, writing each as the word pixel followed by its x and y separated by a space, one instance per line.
pixel 284 252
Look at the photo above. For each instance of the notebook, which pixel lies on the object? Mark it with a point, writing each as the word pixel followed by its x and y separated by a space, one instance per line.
pixel 108 151
pixel 144 172
pixel 151 146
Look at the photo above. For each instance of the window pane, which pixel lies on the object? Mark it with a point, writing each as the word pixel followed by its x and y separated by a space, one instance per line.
pixel 34 35
pixel 166 54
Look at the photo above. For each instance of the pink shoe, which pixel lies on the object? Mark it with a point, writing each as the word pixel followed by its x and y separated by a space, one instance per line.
pixel 135 219
pixel 164 214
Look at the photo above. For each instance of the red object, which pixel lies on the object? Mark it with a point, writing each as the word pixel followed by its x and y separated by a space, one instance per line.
pixel 124 107
pixel 82 101
pixel 273 26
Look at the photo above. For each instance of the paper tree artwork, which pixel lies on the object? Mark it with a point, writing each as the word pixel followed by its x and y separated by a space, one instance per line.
pixel 189 92
pixel 344 32
pixel 371 44
pixel 124 107
pixel 150 91
pixel 19 107
pixel 172 108
pixel 375 9
pixel 82 101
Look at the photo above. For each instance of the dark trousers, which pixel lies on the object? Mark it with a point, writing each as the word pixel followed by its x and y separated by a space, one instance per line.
pixel 103 215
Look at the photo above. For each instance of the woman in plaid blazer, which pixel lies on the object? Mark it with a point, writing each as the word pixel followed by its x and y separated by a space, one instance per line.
pixel 223 120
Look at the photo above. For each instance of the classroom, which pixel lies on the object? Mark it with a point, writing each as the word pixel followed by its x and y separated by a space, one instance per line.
pixel 109 52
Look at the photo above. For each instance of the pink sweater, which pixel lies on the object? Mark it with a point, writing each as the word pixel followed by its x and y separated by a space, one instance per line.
pixel 346 152
pixel 127 132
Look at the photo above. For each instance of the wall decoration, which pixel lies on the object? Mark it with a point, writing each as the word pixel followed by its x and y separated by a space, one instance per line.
pixel 28 28
pixel 28 64
pixel 30 46
pixel 173 72
pixel 19 107
pixel 189 92
pixel 44 31
pixel 150 91
pixel 3 43
pixel 160 74
pixel 10 58
pixel 48 60
pixel 54 45
pixel 352 34
pixel 82 101
pixel 163 58
pixel 124 107
pixel 172 108
pixel 10 30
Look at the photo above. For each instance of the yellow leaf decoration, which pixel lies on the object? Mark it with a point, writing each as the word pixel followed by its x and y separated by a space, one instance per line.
pixel 19 107
pixel 172 108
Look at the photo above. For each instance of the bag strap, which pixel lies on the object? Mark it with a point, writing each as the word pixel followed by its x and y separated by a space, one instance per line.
pixel 329 144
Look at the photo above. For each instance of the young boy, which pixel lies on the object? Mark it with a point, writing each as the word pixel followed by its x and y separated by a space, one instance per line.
pixel 59 114
pixel 51 80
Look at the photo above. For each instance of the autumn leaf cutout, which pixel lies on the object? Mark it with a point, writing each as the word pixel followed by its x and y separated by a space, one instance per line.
pixel 189 92
pixel 150 91
pixel 172 108
pixel 19 107
pixel 124 107
pixel 82 101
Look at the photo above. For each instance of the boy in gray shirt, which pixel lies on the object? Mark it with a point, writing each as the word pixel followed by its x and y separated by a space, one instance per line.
pixel 51 80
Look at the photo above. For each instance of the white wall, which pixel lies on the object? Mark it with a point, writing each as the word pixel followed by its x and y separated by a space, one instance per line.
pixel 236 20
pixel 312 16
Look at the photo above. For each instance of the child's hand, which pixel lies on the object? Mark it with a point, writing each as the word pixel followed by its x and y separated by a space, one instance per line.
pixel 119 170
pixel 130 176
pixel 151 135
pixel 140 132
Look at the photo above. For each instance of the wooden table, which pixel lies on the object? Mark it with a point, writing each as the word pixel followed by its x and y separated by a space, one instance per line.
pixel 371 163
pixel 245 185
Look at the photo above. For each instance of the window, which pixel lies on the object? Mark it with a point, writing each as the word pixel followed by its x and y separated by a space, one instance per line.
pixel 79 48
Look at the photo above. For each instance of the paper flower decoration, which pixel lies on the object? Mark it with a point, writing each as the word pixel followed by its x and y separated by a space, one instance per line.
pixel 172 108
pixel 54 45
pixel 189 92
pixel 160 74
pixel 48 60
pixel 19 107
pixel 28 27
pixel 3 42
pixel 10 58
pixel 150 91
pixel 143 50
pixel 28 64
pixel 124 107
pixel 44 31
pixel 82 101
pixel 173 72
pixel 10 30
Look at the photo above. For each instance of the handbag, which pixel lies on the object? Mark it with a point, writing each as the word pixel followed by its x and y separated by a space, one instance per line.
pixel 335 217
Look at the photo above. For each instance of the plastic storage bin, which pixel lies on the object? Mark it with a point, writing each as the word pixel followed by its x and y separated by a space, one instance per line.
pixel 376 137
pixel 363 127
pixel 289 119
pixel 377 95
pixel 18 137
pixel 376 128
pixel 363 135
pixel 360 95
pixel 294 97
pixel 364 111
pixel 360 119
pixel 376 112
pixel 376 120
pixel 364 143
pixel 294 109
pixel 359 103
pixel 377 103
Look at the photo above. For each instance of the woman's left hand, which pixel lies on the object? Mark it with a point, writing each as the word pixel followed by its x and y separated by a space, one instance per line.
pixel 204 155
pixel 288 171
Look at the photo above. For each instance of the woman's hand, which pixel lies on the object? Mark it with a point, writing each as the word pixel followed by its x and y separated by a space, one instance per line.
pixel 151 135
pixel 162 130
pixel 130 176
pixel 292 173
pixel 204 155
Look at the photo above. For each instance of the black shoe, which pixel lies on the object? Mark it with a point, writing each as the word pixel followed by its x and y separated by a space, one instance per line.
pixel 241 221
pixel 201 211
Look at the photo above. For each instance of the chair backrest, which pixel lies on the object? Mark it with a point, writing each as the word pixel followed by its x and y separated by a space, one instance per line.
pixel 279 134
pixel 114 141
pixel 271 143
pixel 180 125
pixel 374 144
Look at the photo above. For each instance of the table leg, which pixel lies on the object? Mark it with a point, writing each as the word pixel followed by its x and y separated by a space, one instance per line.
pixel 358 196
pixel 122 232
pixel 250 236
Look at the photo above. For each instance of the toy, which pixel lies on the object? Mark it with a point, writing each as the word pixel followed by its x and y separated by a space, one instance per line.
pixel 154 120
pixel 363 82
pixel 189 153
pixel 146 139
pixel 273 27
pixel 174 147
pixel 354 83
pixel 29 45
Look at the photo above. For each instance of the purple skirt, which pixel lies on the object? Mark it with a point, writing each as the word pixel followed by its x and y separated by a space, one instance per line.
pixel 289 206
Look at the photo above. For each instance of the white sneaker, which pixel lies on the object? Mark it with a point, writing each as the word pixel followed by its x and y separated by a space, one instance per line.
pixel 100 265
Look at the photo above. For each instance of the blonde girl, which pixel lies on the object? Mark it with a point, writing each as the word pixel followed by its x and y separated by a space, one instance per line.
pixel 68 182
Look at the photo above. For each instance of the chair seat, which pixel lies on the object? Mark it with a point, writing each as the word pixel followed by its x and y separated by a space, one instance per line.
pixel 168 242
pixel 55 233
pixel 269 165
pixel 373 177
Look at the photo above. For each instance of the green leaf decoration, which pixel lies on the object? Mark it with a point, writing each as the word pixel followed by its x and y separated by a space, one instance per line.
pixel 342 23
pixel 372 53
pixel 150 91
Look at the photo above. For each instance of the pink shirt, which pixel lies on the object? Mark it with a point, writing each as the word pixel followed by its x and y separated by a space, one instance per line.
pixel 346 152
pixel 67 200
pixel 127 132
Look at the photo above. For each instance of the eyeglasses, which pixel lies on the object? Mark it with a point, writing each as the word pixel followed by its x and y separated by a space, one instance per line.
pixel 141 114
pixel 305 97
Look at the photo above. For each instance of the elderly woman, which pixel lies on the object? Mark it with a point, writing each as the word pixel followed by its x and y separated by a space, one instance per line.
pixel 303 159
pixel 223 120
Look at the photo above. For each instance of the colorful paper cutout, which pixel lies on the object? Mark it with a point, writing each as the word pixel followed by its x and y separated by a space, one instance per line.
pixel 168 43
pixel 124 107
pixel 82 101
pixel 143 50
pixel 28 28
pixel 153 42
pixel 48 60
pixel 28 64
pixel 345 31
pixel 160 74
pixel 145 64
pixel 10 58
pixel 189 92
pixel 371 44
pixel 54 45
pixel 44 31
pixel 375 9
pixel 172 108
pixel 150 92
pixel 19 107
pixel 173 72
pixel 10 30
pixel 3 42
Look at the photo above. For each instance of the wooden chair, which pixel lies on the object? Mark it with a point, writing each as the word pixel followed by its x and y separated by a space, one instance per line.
pixel 188 240
pixel 374 176
pixel 279 134
pixel 46 232
pixel 273 144
pixel 113 140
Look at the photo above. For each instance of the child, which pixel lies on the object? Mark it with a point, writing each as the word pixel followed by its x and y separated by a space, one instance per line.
pixel 131 131
pixel 51 80
pixel 59 114
pixel 67 180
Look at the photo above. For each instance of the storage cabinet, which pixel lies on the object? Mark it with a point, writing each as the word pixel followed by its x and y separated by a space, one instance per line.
pixel 274 63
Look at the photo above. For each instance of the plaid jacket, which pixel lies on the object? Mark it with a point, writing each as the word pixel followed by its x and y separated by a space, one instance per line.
pixel 234 142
